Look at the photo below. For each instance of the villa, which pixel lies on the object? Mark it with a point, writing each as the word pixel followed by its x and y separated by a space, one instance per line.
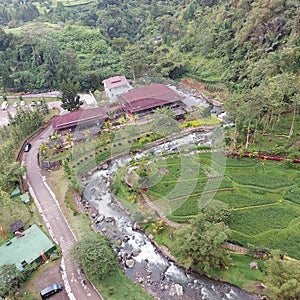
pixel 115 86
pixel 145 100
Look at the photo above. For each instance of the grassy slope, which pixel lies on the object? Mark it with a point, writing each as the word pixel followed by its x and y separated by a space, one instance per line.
pixel 240 274
pixel 17 211
pixel 276 140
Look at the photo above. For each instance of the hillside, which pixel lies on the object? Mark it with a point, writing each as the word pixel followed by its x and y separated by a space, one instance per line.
pixel 248 50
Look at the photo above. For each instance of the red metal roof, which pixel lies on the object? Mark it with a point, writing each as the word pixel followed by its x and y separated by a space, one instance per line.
pixel 148 97
pixel 115 81
pixel 78 117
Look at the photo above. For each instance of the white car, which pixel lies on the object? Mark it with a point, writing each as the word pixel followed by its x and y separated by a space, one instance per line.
pixel 16 104
pixel 22 103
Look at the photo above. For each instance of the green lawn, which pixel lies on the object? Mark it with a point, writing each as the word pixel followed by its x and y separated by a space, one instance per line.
pixel 17 211
pixel 240 274
pixel 118 286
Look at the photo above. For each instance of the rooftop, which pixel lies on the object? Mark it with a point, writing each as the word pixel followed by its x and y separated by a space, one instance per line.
pixel 16 192
pixel 25 198
pixel 148 97
pixel 16 226
pixel 115 81
pixel 26 248
pixel 78 117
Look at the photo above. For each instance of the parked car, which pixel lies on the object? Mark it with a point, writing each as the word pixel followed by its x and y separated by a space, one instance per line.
pixel 16 104
pixel 22 103
pixel 27 147
pixel 32 103
pixel 4 105
pixel 51 290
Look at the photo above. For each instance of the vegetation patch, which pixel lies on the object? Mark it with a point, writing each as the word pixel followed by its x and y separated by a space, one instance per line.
pixel 259 219
pixel 239 273
pixel 243 197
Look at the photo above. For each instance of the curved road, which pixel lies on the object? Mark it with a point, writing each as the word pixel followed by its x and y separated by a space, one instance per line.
pixel 76 285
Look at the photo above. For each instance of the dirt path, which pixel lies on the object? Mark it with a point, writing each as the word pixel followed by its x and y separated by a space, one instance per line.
pixel 158 211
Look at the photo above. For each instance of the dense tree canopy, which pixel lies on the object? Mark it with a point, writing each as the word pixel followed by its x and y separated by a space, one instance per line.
pixel 95 255
pixel 70 100
pixel 199 245
pixel 249 49
pixel 10 279
pixel 283 278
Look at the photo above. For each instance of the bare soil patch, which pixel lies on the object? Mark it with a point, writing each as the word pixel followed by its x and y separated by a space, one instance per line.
pixel 47 274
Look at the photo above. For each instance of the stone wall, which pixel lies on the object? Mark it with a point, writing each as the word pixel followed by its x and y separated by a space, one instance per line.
pixel 49 165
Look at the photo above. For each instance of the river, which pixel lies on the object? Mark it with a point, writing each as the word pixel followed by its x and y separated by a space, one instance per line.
pixel 139 257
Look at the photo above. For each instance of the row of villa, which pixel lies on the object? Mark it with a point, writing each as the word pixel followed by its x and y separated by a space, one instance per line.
pixel 135 103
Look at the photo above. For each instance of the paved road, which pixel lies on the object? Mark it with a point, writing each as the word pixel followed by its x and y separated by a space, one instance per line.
pixel 75 282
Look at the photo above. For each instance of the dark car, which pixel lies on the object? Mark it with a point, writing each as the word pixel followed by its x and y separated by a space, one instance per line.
pixel 51 290
pixel 27 147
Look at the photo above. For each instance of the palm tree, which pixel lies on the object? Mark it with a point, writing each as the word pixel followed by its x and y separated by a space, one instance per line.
pixel 87 134
pixel 44 148
pixel 122 120
pixel 15 173
pixel 54 136
pixel 107 125
pixel 70 139
pixel 56 147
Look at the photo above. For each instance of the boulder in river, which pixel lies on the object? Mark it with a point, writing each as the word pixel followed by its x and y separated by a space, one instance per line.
pixel 178 289
pixel 129 263
pixel 109 219
pixel 135 226
pixel 100 219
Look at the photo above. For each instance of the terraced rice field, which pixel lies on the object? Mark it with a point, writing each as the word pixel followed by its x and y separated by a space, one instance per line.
pixel 264 196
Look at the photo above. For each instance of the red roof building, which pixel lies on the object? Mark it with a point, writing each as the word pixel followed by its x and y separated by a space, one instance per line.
pixel 115 81
pixel 81 118
pixel 148 98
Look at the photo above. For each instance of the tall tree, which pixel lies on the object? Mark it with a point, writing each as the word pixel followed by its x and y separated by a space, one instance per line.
pixel 164 121
pixel 217 211
pixel 70 100
pixel 199 245
pixel 283 278
pixel 10 279
pixel 95 255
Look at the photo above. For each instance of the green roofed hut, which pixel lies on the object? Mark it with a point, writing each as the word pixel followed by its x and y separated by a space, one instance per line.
pixel 15 193
pixel 25 198
pixel 31 247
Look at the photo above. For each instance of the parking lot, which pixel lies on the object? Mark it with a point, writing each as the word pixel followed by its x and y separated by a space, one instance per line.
pixel 89 101
pixel 12 111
